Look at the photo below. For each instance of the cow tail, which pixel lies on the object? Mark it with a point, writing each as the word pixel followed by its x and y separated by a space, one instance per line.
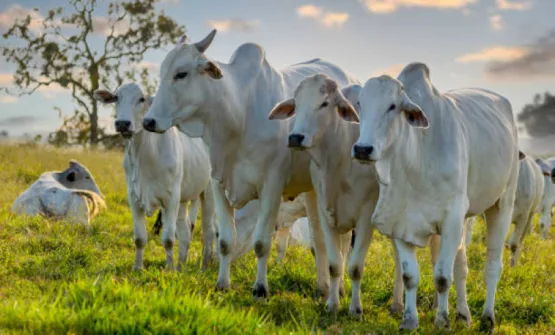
pixel 158 224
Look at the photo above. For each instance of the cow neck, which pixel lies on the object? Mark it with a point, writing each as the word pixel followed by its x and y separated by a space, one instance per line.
pixel 335 145
pixel 224 123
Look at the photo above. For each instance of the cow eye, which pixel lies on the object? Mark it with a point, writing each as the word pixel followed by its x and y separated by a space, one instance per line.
pixel 324 104
pixel 392 107
pixel 141 100
pixel 87 177
pixel 180 75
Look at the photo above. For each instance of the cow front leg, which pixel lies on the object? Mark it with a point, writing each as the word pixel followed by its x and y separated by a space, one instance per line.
pixel 318 245
pixel 397 306
pixel 170 212
pixel 270 200
pixel 139 233
pixel 336 264
pixel 282 240
pixel 451 238
pixel 345 252
pixel 357 260
pixel 226 233
pixel 411 278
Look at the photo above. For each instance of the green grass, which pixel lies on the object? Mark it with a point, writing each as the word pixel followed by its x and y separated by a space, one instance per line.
pixel 60 278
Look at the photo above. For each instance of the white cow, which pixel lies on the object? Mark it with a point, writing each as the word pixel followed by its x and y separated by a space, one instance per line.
pixel 347 191
pixel 548 199
pixel 71 194
pixel 227 105
pixel 528 197
pixel 162 171
pixel 440 157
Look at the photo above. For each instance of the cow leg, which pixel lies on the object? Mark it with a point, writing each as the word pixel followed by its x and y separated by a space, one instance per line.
pixel 270 200
pixel 397 306
pixel 345 248
pixel 208 233
pixel 435 243
pixel 498 221
pixel 451 237
pixel 319 245
pixel 139 232
pixel 226 233
pixel 517 237
pixel 460 273
pixel 356 263
pixel 411 278
pixel 184 236
pixel 469 226
pixel 336 264
pixel 193 213
pixel 282 239
pixel 170 212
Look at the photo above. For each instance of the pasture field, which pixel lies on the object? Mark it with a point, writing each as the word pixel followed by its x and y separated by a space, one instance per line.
pixel 58 278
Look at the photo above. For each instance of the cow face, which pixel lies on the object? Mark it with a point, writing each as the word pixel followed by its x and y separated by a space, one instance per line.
pixel 382 102
pixel 316 100
pixel 131 106
pixel 77 176
pixel 186 83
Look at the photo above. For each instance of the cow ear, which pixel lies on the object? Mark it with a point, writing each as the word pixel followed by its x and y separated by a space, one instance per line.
pixel 70 176
pixel 546 170
pixel 106 97
pixel 211 69
pixel 521 155
pixel 413 113
pixel 345 110
pixel 283 110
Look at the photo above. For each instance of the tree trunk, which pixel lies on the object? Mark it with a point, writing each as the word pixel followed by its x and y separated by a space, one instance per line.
pixel 94 126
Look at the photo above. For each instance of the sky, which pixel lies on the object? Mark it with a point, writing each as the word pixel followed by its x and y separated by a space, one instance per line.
pixel 507 46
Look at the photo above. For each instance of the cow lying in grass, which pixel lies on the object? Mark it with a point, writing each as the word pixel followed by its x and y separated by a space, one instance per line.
pixel 164 171
pixel 71 194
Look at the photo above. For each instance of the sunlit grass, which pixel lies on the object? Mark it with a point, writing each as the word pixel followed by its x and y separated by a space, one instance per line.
pixel 60 278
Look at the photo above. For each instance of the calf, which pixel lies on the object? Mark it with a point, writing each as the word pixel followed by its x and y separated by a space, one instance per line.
pixel 440 157
pixel 71 194
pixel 162 170
pixel 548 198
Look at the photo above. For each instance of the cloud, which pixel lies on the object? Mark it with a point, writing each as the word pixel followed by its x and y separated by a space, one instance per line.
pixel 5 79
pixel 153 67
pixel 390 6
pixel 15 121
pixel 392 71
pixel 497 53
pixel 537 61
pixel 514 4
pixel 496 22
pixel 234 25
pixel 8 99
pixel 103 25
pixel 328 19
pixel 52 91
pixel 17 13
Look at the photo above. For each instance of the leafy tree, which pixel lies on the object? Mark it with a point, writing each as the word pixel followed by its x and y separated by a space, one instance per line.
pixel 66 52
pixel 538 117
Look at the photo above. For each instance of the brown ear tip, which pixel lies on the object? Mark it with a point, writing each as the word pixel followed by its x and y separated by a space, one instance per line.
pixel 521 155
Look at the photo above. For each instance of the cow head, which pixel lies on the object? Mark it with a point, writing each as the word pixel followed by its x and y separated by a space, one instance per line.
pixel 546 169
pixel 131 105
pixel 77 176
pixel 383 102
pixel 316 100
pixel 186 83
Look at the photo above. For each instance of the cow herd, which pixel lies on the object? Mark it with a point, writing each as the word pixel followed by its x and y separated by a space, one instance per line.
pixel 257 148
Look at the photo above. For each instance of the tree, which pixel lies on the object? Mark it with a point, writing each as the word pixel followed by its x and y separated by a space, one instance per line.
pixel 539 116
pixel 68 52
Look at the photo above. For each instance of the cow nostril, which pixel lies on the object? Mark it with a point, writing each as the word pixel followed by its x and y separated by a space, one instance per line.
pixel 122 125
pixel 363 152
pixel 149 124
pixel 295 140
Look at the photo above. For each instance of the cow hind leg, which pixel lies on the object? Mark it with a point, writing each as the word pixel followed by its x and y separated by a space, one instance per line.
pixel 356 264
pixel 184 236
pixel 345 248
pixel 460 274
pixel 517 237
pixel 435 243
pixel 411 278
pixel 282 239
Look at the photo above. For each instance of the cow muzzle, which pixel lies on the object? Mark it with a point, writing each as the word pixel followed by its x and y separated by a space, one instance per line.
pixel 124 128
pixel 362 152
pixel 296 141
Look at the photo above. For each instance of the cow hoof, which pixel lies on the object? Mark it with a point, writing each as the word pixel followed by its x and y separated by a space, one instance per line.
pixel 409 323
pixel 332 308
pixel 487 323
pixel 442 320
pixel 260 291
pixel 137 268
pixel 222 285
pixel 322 294
pixel 355 311
pixel 396 308
pixel 464 318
